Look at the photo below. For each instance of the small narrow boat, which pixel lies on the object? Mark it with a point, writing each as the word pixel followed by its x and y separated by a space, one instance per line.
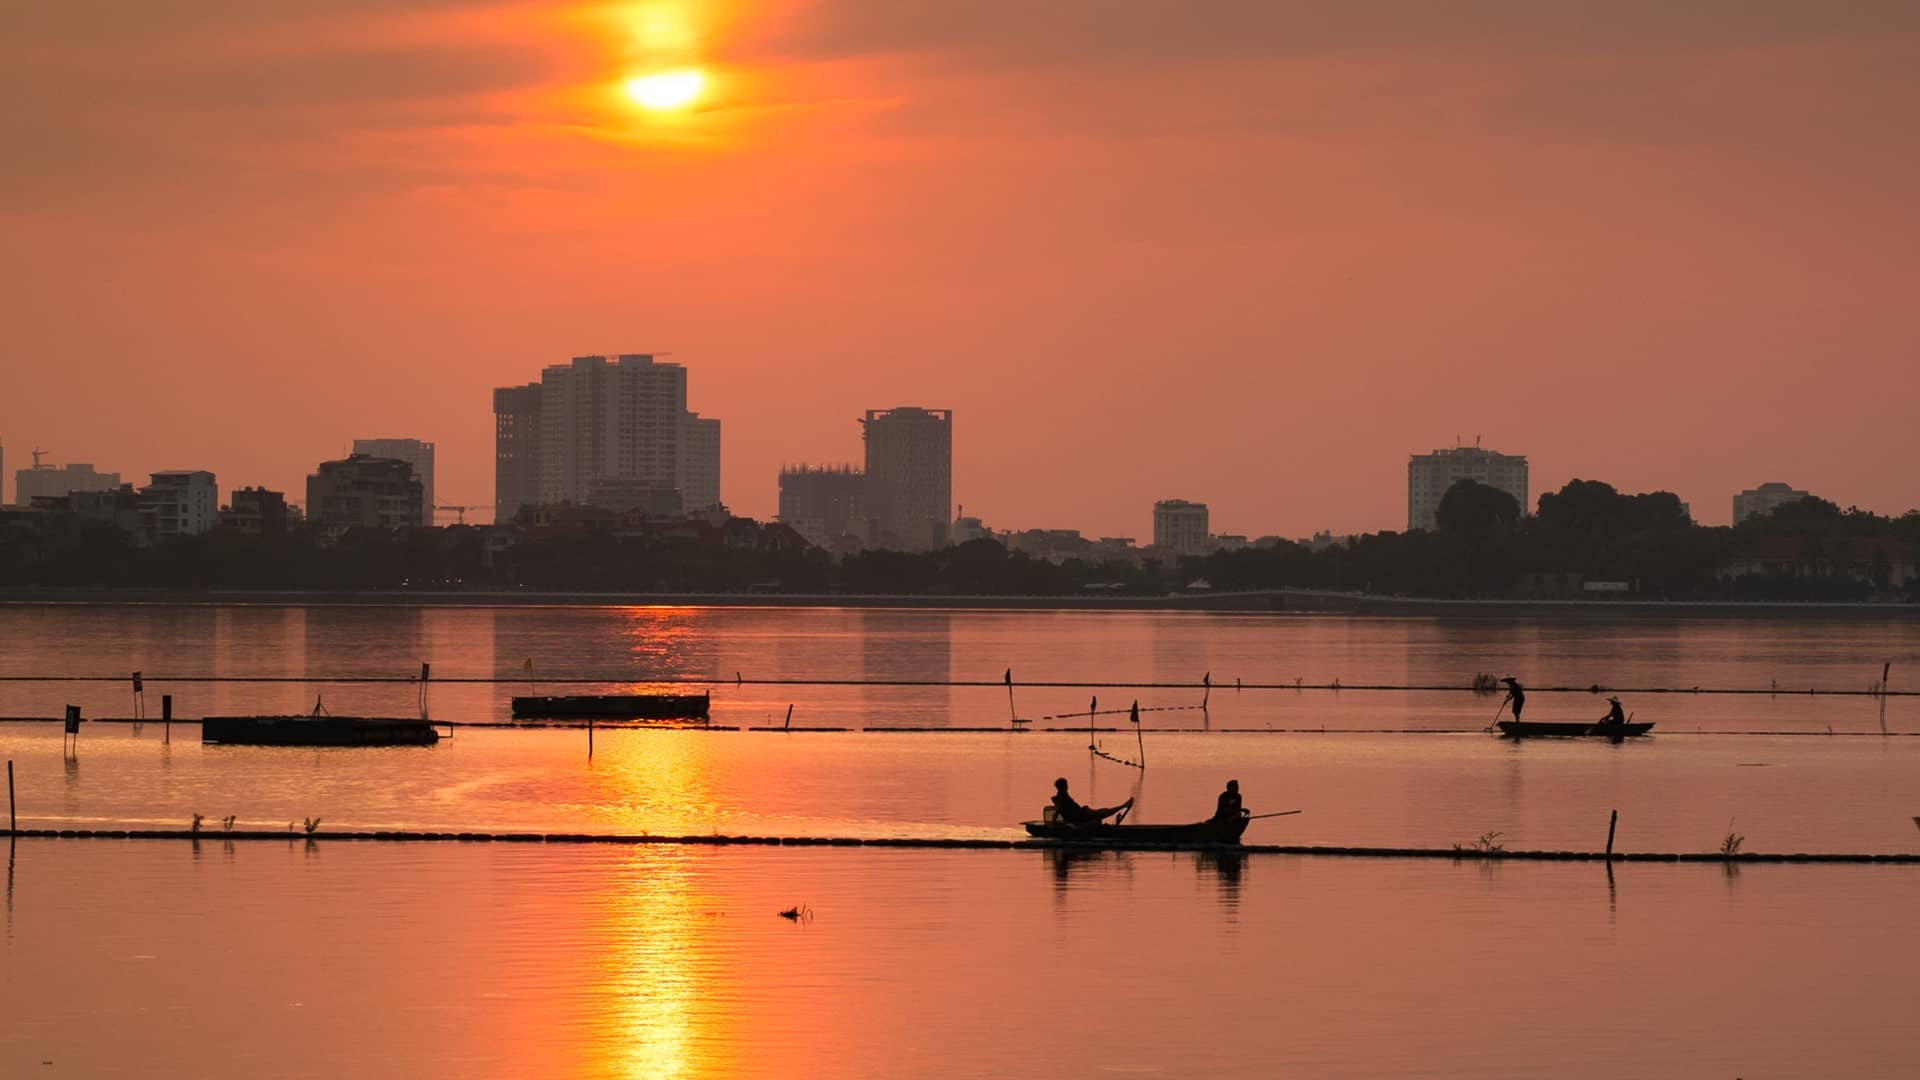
pixel 613 707
pixel 1211 831
pixel 1571 729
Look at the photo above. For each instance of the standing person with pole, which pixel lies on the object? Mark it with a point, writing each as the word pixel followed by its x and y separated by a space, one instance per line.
pixel 1515 696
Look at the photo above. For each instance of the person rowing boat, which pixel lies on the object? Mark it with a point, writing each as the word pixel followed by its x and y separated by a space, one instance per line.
pixel 1516 696
pixel 1071 812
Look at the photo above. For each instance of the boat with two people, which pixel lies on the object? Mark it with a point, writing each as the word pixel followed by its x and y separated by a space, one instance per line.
pixel 1069 821
pixel 1617 724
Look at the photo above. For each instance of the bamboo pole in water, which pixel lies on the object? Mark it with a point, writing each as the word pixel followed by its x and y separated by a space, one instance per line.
pixel 1613 820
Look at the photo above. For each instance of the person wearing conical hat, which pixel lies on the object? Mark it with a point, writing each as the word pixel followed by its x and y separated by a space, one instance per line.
pixel 1516 696
pixel 1615 715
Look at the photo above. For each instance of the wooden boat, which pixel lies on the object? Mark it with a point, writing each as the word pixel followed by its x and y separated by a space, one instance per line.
pixel 1554 729
pixel 1211 831
pixel 317 731
pixel 613 707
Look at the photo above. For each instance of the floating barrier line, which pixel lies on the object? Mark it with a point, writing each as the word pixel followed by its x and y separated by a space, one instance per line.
pixel 643 725
pixel 687 680
pixel 956 843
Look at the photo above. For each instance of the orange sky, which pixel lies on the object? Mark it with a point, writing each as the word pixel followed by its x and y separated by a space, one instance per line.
pixel 1247 252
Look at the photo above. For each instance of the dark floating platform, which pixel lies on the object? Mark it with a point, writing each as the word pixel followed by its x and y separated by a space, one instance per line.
pixel 613 707
pixel 317 731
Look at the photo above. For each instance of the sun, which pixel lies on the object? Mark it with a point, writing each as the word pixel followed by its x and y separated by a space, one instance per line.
pixel 664 91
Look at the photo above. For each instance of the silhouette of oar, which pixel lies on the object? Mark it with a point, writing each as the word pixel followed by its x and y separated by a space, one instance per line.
pixel 1284 813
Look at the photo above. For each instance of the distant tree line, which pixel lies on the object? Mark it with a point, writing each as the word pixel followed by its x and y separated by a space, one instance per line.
pixel 1642 546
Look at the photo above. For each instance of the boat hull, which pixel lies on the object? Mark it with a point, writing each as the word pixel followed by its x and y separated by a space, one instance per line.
pixel 1226 831
pixel 613 707
pixel 1530 729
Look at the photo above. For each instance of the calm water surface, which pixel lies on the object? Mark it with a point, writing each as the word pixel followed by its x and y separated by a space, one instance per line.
pixel 160 959
pixel 636 645
pixel 332 959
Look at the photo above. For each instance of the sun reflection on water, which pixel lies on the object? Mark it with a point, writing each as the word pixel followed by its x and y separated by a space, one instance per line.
pixel 660 638
pixel 659 976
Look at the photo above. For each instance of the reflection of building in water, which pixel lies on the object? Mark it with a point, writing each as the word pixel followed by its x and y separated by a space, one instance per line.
pixel 632 644
pixel 252 641
pixel 365 641
pixel 914 646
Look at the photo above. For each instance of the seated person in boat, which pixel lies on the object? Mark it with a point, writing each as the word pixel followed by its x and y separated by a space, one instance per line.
pixel 1615 716
pixel 1072 813
pixel 1229 806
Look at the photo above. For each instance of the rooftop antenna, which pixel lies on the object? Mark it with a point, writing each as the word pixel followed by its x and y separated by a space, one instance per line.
pixel 37 454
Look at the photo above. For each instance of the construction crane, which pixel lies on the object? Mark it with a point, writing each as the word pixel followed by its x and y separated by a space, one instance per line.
pixel 462 510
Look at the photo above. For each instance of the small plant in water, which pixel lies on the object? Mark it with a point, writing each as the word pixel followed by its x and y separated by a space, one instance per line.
pixel 313 824
pixel 1485 683
pixel 197 819
pixel 798 913
pixel 226 823
pixel 1730 845
pixel 1486 844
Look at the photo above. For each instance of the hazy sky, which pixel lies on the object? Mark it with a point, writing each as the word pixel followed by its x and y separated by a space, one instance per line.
pixel 1253 253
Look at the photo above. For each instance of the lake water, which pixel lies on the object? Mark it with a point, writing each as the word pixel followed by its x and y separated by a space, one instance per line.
pixel 260 958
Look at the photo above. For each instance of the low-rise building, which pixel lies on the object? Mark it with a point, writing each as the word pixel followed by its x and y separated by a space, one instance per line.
pixel 1763 500
pixel 257 512
pixel 119 508
pixel 823 502
pixel 361 491
pixel 1180 527
pixel 57 481
pixel 414 452
pixel 180 502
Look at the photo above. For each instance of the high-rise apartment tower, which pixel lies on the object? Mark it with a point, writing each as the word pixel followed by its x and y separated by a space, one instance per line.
pixel 611 427
pixel 909 496
pixel 1430 475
